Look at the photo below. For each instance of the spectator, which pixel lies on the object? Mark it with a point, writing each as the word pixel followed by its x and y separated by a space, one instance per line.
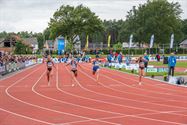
pixel 109 58
pixel 120 58
pixel 146 60
pixel 127 60
pixel 158 57
pixel 171 64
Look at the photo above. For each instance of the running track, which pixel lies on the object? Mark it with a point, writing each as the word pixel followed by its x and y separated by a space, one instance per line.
pixel 25 99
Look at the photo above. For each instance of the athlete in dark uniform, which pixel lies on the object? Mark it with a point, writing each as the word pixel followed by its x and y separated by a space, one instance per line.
pixel 74 65
pixel 141 62
pixel 50 65
pixel 96 68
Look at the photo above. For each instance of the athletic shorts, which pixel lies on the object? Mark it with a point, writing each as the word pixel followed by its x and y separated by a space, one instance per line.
pixel 141 68
pixel 49 69
pixel 74 70
pixel 95 68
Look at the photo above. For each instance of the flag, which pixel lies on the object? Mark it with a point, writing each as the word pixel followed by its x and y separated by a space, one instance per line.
pixel 171 41
pixel 109 39
pixel 87 42
pixel 152 41
pixel 130 41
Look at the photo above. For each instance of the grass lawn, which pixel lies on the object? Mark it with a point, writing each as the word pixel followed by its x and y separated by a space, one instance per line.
pixel 179 64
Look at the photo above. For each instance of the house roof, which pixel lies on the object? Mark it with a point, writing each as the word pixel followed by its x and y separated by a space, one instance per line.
pixel 32 40
pixel 184 42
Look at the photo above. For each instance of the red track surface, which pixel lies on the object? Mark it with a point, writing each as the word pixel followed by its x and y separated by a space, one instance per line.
pixel 25 99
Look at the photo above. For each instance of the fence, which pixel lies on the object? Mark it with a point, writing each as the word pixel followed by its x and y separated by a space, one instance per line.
pixel 12 67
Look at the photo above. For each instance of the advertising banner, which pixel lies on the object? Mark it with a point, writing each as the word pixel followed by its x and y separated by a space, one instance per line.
pixel 61 45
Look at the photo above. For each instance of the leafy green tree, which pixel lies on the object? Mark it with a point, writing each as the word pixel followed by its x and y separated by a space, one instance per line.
pixel 72 21
pixel 40 39
pixel 118 46
pixel 184 28
pixel 3 34
pixel 21 48
pixel 158 17
pixel 25 34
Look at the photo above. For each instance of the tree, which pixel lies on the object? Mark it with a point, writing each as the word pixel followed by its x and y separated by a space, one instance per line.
pixel 118 46
pixel 21 48
pixel 158 17
pixel 184 28
pixel 72 21
pixel 3 34
pixel 40 39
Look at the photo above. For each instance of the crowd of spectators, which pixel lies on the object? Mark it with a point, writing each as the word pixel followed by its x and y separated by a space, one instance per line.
pixel 6 58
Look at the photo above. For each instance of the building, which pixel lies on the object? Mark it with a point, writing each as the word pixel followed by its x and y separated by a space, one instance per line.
pixel 183 44
pixel 49 46
pixel 33 42
pixel 7 44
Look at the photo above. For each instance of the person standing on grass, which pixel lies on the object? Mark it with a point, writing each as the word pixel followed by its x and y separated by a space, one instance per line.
pixel 127 60
pixel 50 65
pixel 141 62
pixel 120 58
pixel 171 64
pixel 146 60
pixel 109 59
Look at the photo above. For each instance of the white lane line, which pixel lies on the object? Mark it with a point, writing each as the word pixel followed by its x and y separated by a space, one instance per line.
pixel 33 105
pixel 142 101
pixel 23 116
pixel 108 96
pixel 129 93
pixel 106 118
pixel 64 102
pixel 141 90
pixel 18 72
pixel 129 106
pixel 146 82
pixel 26 117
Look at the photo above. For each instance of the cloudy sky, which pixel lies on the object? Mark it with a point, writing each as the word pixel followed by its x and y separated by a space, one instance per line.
pixel 34 15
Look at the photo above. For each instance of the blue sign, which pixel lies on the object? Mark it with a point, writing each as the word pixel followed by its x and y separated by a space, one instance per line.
pixel 61 45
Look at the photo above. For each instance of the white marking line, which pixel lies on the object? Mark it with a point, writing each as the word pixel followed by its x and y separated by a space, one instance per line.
pixel 19 115
pixel 130 93
pixel 26 117
pixel 106 118
pixel 161 82
pixel 33 89
pixel 33 105
pixel 170 94
pixel 141 90
pixel 145 82
pixel 37 106
pixel 18 72
pixel 123 105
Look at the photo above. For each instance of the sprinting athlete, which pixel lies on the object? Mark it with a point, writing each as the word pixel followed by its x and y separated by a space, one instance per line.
pixel 74 65
pixel 50 65
pixel 96 68
pixel 141 62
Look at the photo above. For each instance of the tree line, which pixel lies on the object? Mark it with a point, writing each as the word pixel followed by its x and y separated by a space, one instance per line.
pixel 158 17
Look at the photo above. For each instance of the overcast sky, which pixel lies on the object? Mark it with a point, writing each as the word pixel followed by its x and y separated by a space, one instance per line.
pixel 34 15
